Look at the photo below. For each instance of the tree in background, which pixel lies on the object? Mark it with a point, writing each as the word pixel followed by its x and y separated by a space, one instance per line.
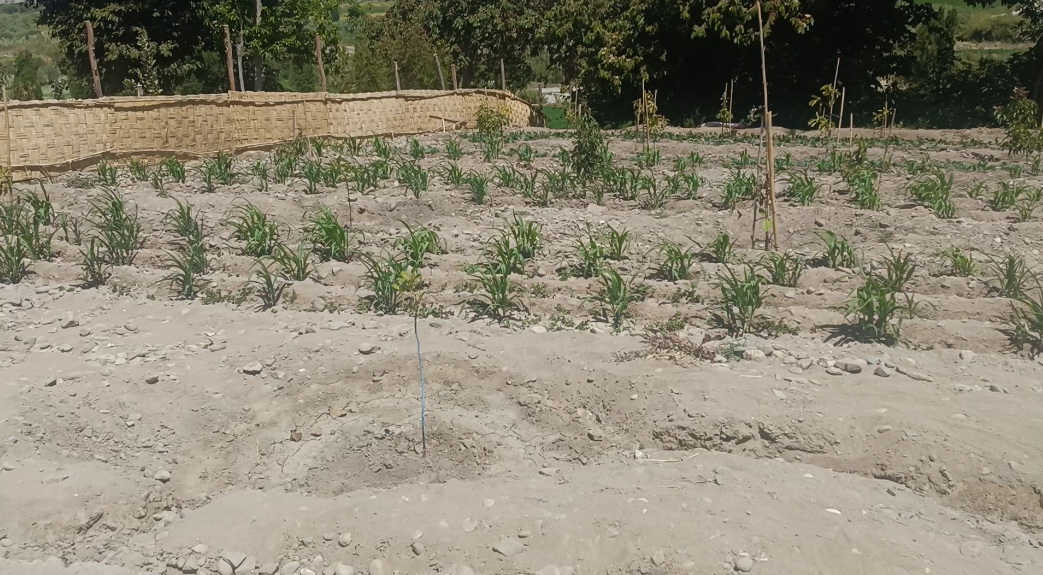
pixel 21 75
pixel 1027 66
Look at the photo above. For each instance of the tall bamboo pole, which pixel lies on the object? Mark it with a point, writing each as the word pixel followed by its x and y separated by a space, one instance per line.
pixel 770 147
pixel 441 77
pixel 318 58
pixel 228 59
pixel 93 60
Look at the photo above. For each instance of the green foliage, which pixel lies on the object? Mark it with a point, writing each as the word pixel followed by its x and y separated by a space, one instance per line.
pixel 478 186
pixel 294 264
pixel 184 278
pixel 118 227
pixel 256 228
pixel 452 174
pixel 959 263
pixel 527 237
pixel 618 244
pixel 591 257
pixel 677 262
pixel 107 174
pixel 720 250
pixel 741 299
pixel 1011 276
pixel 391 279
pixel 329 239
pixel 311 171
pixel 802 188
pixel 414 177
pixel 452 148
pixel 863 182
pixel 13 258
pixel 175 169
pixel 94 269
pixel 655 194
pixel 418 243
pixel 1007 196
pixel 738 187
pixel 268 286
pixel 935 192
pixel 878 312
pixel 615 297
pixel 898 269
pixel 1027 319
pixel 138 170
pixel 590 155
pixel 498 296
pixel 838 251
pixel 1020 122
pixel 783 269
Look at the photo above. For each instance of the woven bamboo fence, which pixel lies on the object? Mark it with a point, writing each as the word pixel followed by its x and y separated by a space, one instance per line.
pixel 46 137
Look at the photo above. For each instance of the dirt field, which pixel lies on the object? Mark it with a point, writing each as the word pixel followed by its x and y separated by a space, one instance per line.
pixel 141 433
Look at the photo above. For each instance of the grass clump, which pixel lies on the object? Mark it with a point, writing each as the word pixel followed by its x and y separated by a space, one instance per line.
pixel 802 188
pixel 617 243
pixel 720 250
pixel 527 237
pixel 329 239
pixel 738 187
pixel 590 256
pixel 497 297
pixel 934 191
pixel 478 187
pixel 1027 319
pixel 268 286
pixel 391 279
pixel 414 177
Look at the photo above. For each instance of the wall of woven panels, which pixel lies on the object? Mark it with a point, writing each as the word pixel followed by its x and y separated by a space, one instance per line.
pixel 41 137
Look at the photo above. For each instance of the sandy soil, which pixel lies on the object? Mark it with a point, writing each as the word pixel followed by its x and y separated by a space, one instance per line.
pixel 143 434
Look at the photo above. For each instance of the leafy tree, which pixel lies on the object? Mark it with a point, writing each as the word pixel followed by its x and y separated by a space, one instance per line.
pixel 22 77
pixel 398 37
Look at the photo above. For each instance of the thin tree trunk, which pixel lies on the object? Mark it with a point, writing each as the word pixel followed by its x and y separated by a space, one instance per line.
pixel 258 61
pixel 239 60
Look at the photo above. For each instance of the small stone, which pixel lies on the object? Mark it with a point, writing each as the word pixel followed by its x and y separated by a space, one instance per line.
pixel 344 540
pixel 418 548
pixel 50 382
pixel 290 568
pixel 658 558
pixel 371 325
pixel 152 379
pixel 366 348
pixel 849 365
pixel 223 568
pixel 596 435
pixel 200 549
pixel 779 394
pixel 318 304
pixel 65 348
pixel 268 569
pixel 538 329
pixel 753 355
pixel 1014 466
pixel 190 566
pixel 884 429
pixel 252 368
pixel 342 569
pixel 376 567
pixel 70 322
pixel 509 547
pixel 296 436
pixel 162 476
pixel 996 388
pixel 5 543
pixel 328 536
pixel 8 466
pixel 914 374
pixel 488 503
pixel 744 564
pixel 549 471
pixel 834 371
pixel 967 355
pixel 882 371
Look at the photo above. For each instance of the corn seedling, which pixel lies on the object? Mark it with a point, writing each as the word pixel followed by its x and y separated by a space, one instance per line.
pixel 1011 276
pixel 418 243
pixel 352 146
pixel 741 299
pixel 390 279
pixel 254 227
pixel 184 277
pixel 503 253
pixel 416 149
pixel 262 172
pixel 615 296
pixel 677 262
pixel 107 174
pixel 838 251
pixel 13 258
pixel 382 149
pixel 138 170
pixel 118 227
pixel 648 158
pixel 94 269
pixel 311 171
pixel 525 154
pixel 898 269
pixel 175 169
pixel 720 250
pixel 878 311
pixel 328 238
pixel 625 183
pixel 156 178
pixel 491 149
pixel 452 174
pixel 497 297
pixel 977 190
pixel 617 244
pixel 364 179
pixel 452 149
pixel 655 194
pixel 415 178
pixel 185 222
pixel 268 286
pixel 1014 170
pixel 738 187
pixel 743 161
pixel 783 269
pixel 294 265
pixel 1027 319
pixel 591 257
pixel 863 185
pixel 1025 209
pixel 935 192
pixel 685 163
pixel 802 188
pixel 526 236
pixel 478 185
pixel 508 176
pixel 1006 197
pixel 959 263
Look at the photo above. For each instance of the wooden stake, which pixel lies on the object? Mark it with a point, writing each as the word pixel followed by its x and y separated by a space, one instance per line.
pixel 644 112
pixel 441 78
pixel 228 59
pixel 503 77
pixel 140 92
pixel 93 60
pixel 840 124
pixel 851 129
pixel 452 70
pixel 770 147
pixel 318 58
pixel 7 134
pixel 398 81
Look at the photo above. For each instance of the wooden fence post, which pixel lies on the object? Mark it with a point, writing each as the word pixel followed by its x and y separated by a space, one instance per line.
pixel 318 56
pixel 503 77
pixel 398 81
pixel 9 177
pixel 228 59
pixel 93 60
pixel 452 69
pixel 441 78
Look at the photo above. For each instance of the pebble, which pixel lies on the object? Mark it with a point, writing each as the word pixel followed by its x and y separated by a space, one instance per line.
pixel 268 569
pixel 252 368
pixel 190 566
pixel 744 564
pixel 344 540
pixel 967 355
pixel 882 371
pixel 368 348
pixel 70 322
pixel 549 471
pixel 834 371
pixel 371 325
pixel 849 365
pixel 8 466
pixel 223 568
pixel 328 536
pixel 418 548
pixel 997 389
pixel 376 567
pixel 538 329
pixel 50 382
pixel 5 543
pixel 779 394
pixel 753 355
pixel 658 558
pixel 200 549
pixel 342 569
pixel 1014 466
pixel 163 476
pixel 912 374
pixel 884 429
pixel 509 547
pixel 290 568
pixel 152 379
pixel 234 558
